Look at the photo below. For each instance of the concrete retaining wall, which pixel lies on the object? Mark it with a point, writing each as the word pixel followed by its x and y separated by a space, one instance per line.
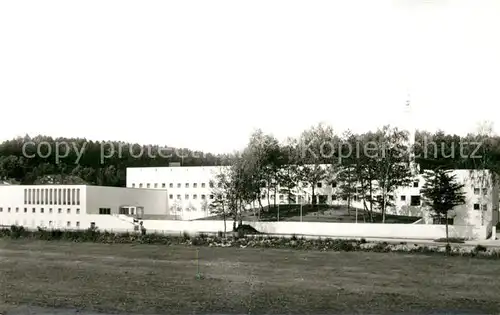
pixel 367 230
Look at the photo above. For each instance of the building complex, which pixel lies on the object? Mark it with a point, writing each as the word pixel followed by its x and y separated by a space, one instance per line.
pixel 185 193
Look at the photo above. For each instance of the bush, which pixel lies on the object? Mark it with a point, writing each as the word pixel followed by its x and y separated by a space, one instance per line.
pixel 96 236
pixel 246 229
pixel 480 248
pixel 17 231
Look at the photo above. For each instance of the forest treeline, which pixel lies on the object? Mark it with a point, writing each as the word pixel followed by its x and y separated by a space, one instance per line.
pixel 42 159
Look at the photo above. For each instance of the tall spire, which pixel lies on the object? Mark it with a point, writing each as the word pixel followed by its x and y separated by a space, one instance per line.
pixel 409 125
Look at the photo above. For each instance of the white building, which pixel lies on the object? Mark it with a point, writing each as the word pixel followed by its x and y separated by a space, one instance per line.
pixel 189 193
pixel 79 206
pixel 189 188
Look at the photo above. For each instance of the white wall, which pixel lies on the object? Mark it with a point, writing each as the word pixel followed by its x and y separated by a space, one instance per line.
pixel 370 230
pixel 154 201
pixel 355 230
pixel 15 210
pixel 188 187
pixel 188 226
pixel 41 212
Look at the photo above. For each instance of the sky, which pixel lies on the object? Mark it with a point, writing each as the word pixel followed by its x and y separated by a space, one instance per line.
pixel 206 74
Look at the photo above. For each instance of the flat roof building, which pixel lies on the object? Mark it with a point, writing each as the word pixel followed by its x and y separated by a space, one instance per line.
pixel 79 206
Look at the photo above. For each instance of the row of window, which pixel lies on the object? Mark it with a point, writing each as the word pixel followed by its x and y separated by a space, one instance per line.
pixel 179 185
pixel 186 197
pixel 188 209
pixel 42 210
pixel 415 200
pixel 219 185
pixel 52 196
pixel 50 224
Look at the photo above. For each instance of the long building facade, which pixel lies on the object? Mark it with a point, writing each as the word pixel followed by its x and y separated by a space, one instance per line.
pixel 185 193
pixel 190 194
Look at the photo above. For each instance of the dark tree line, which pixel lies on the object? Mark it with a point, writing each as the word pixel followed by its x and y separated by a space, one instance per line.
pixel 77 160
pixel 105 162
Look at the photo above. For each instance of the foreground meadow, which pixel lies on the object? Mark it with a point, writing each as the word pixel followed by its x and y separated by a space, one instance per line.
pixel 154 279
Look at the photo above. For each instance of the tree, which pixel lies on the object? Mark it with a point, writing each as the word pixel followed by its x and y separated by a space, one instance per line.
pixel 289 175
pixel 442 193
pixel 364 165
pixel 317 153
pixel 259 167
pixel 392 168
pixel 347 184
pixel 312 175
pixel 221 192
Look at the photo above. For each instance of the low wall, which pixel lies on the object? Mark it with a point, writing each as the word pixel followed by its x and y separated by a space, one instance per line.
pixel 355 230
pixel 208 226
pixel 370 230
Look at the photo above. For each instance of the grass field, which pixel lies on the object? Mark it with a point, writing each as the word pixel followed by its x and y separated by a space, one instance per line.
pixel 320 213
pixel 162 279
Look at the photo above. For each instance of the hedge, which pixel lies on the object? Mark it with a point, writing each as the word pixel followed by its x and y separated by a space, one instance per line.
pixel 320 244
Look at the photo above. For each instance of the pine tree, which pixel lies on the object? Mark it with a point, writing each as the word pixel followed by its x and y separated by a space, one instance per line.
pixel 442 193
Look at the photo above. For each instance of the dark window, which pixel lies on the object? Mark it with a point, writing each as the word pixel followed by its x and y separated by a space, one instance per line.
pixel 476 206
pixel 334 184
pixel 319 185
pixel 415 184
pixel 403 198
pixel 104 211
pixel 415 200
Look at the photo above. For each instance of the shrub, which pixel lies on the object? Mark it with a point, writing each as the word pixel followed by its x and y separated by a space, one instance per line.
pixel 94 235
pixel 480 248
pixel 16 231
pixel 246 229
pixel 381 247
pixel 448 248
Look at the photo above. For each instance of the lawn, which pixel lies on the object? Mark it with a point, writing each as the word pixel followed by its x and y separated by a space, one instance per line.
pixel 150 279
pixel 320 213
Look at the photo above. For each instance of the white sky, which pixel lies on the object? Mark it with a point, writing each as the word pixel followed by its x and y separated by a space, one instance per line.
pixel 204 74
